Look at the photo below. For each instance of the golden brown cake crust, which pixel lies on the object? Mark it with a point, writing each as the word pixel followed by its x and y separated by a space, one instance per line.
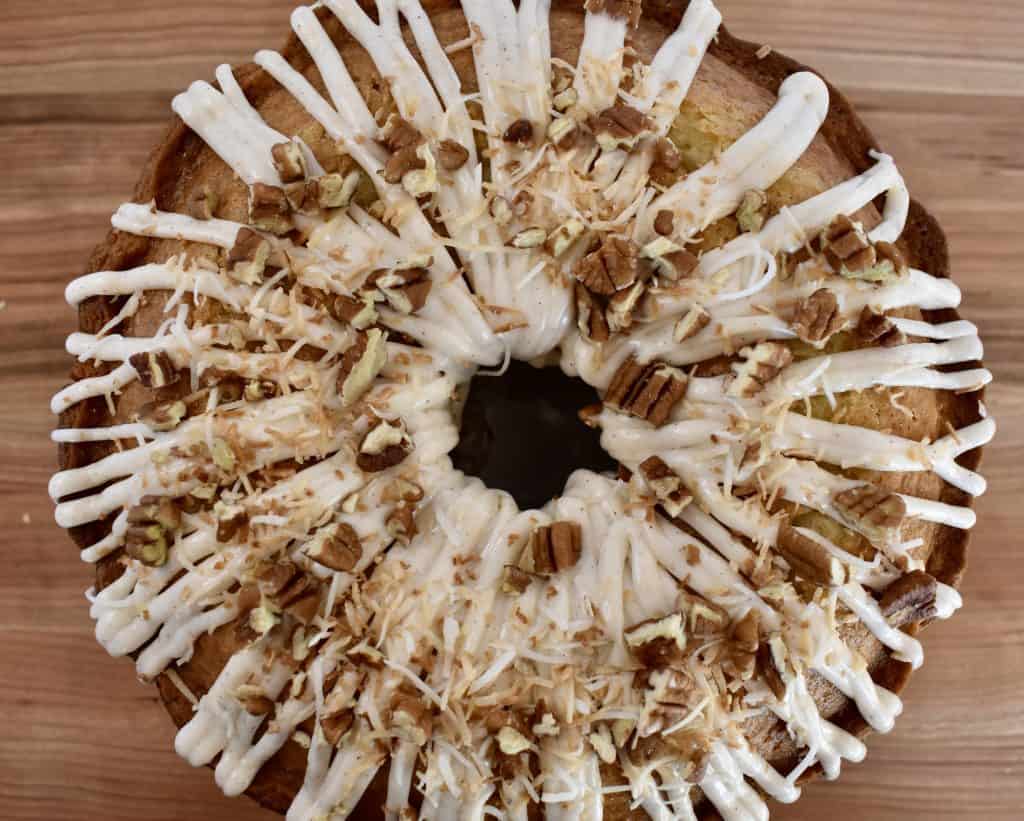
pixel 734 74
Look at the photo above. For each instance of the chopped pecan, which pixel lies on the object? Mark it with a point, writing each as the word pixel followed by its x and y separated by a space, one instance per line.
pixel 760 366
pixel 911 598
pixel 269 209
pixel 359 312
pixel 565 99
pixel 386 444
pixel 563 133
pixel 257 389
pixel 648 392
pixel 703 618
pixel 399 133
pixel 664 222
pixel 590 318
pixel 875 327
pixel 401 524
pixel 289 161
pixel 402 490
pixel 670 260
pixel 620 126
pixel 247 259
pixel 360 365
pixel 666 484
pixel 851 254
pixel 336 724
pixel 555 547
pixel 329 191
pixel 164 416
pixel 561 239
pixel 232 522
pixel 628 10
pixel 412 719
pixel 741 660
pixel 405 290
pixel 808 558
pixel 149 524
pixel 817 317
pixel 658 642
pixel 693 322
pixel 514 580
pixel 622 306
pixel 667 156
pixel 254 701
pixel 202 204
pixel 451 156
pixel 336 546
pixel 615 265
pixel 519 132
pixel 155 368
pixel 774 666
pixel 875 510
pixel 750 214
pixel 402 162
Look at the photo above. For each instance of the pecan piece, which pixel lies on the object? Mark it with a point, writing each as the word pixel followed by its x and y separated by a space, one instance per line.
pixel 808 558
pixel 620 126
pixel 401 524
pixel 451 156
pixel 514 580
pixel 203 203
pixel 247 259
pixel 875 327
pixel 615 265
pixel 334 725
pixel 648 392
pixel 555 547
pixel 165 416
pixel 402 162
pixel 405 290
pixel 289 161
pixel 563 133
pixel 774 666
pixel 359 312
pixel 669 260
pixel 817 317
pixel 155 368
pixel 254 701
pixel 622 306
pixel 760 366
pixel 561 239
pixel 386 444
pixel 664 222
pixel 336 546
pixel 360 365
pixel 750 214
pixel 519 132
pixel 530 238
pixel 399 133
pixel 667 485
pixel 658 642
pixel 149 524
pixel 875 510
pixel 232 522
pixel 911 598
pixel 667 156
pixel 590 318
pixel 269 209
pixel 693 322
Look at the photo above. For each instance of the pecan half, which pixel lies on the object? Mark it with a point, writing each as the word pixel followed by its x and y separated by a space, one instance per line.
pixel 877 511
pixel 590 318
pixel 360 365
pixel 693 322
pixel 269 209
pixel 808 558
pixel 620 126
pixel 817 317
pixel 623 305
pixel 289 161
pixel 386 444
pixel 760 366
pixel 155 368
pixel 451 156
pixel 667 485
pixel 615 265
pixel 648 392
pixel 336 546
pixel 911 598
pixel 247 259
pixel 658 642
pixel 401 524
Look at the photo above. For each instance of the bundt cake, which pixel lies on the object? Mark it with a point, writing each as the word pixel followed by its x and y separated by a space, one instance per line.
pixel 334 245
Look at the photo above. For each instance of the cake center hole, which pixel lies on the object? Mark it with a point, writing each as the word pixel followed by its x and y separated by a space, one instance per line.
pixel 521 433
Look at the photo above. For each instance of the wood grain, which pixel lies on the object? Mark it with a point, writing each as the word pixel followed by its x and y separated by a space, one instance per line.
pixel 84 97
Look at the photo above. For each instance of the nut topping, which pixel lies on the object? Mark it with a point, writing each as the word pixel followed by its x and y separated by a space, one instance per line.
pixel 164 417
pixel 269 209
pixel 232 522
pixel 563 132
pixel 666 484
pixel 658 642
pixel 817 317
pixel 808 558
pixel 774 665
pixel 203 203
pixel 620 126
pixel 612 267
pixel 254 701
pixel 874 327
pixel 399 133
pixel 336 546
pixel 289 161
pixel 386 445
pixel 360 365
pixel 511 741
pixel 664 222
pixel 155 368
pixel 451 156
pixel 412 719
pixel 359 312
pixel 514 580
pixel 761 365
pixel 750 214
pixel 402 162
pixel 554 547
pixel 149 524
pixel 520 132
pixel 590 318
pixel 911 598
pixel 648 392
pixel 850 253
pixel 695 320
pixel 670 261
pixel 248 257
pixel 875 510
pixel 401 524
pixel 405 290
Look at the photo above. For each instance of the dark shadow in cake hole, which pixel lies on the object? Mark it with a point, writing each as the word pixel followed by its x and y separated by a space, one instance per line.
pixel 521 433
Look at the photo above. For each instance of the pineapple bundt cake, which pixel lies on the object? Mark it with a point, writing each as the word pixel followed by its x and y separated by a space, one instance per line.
pixel 336 246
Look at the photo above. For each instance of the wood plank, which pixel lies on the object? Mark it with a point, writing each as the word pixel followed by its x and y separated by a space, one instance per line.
pixel 86 92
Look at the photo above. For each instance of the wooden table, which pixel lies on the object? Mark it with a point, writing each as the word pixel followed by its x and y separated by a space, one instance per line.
pixel 84 96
